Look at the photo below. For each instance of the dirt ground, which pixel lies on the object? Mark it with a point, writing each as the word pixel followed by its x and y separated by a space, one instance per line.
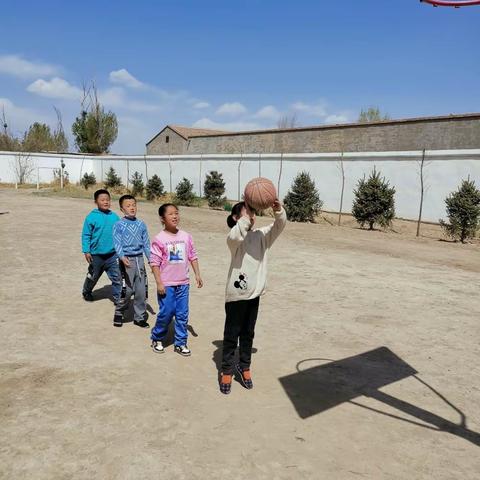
pixel 366 362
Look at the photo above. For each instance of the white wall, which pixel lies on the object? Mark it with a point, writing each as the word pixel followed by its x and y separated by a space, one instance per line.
pixel 443 172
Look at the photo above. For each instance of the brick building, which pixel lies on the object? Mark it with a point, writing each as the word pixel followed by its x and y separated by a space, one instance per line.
pixel 432 133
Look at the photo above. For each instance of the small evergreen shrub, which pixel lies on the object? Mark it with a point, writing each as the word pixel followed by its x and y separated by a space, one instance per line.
pixel 302 203
pixel 214 189
pixel 137 184
pixel 374 201
pixel 184 193
pixel 112 180
pixel 154 188
pixel 88 180
pixel 463 212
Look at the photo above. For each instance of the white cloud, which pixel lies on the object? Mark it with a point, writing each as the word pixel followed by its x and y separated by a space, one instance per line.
pixel 124 77
pixel 55 88
pixel 314 110
pixel 234 108
pixel 268 112
pixel 227 126
pixel 200 105
pixel 19 67
pixel 337 118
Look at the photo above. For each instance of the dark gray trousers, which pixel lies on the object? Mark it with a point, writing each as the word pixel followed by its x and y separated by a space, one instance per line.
pixel 134 281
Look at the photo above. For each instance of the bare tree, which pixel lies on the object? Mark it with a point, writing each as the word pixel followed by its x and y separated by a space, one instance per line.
pixel 23 167
pixel 422 165
pixel 94 129
pixel 372 114
pixel 342 171
pixel 287 121
pixel 8 142
pixel 59 137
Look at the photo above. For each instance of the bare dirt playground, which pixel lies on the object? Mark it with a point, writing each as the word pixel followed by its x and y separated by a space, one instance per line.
pixel 367 361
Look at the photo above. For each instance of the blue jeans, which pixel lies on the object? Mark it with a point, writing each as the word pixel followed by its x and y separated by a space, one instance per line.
pixel 173 303
pixel 104 263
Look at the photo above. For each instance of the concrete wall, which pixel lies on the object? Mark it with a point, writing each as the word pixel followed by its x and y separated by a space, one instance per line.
pixel 443 172
pixel 432 134
pixel 176 145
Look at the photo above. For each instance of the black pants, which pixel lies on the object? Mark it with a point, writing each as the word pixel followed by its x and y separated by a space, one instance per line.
pixel 239 325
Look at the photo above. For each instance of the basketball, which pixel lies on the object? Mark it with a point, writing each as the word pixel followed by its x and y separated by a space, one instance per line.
pixel 260 193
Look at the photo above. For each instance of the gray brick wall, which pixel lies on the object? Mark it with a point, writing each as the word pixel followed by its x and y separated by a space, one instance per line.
pixel 431 134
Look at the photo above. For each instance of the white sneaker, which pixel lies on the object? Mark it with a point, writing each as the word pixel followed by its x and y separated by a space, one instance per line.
pixel 157 347
pixel 183 350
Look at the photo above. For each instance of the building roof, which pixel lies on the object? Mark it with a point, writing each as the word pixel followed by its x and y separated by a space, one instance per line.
pixel 187 132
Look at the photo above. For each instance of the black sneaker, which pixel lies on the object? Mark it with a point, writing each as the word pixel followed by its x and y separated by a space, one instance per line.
pixel 118 321
pixel 88 297
pixel 183 350
pixel 142 324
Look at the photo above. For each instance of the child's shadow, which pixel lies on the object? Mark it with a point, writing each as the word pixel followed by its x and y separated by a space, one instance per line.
pixel 169 339
pixel 217 355
pixel 129 314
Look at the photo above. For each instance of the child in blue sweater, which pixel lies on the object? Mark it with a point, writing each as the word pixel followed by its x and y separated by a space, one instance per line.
pixel 130 237
pixel 97 246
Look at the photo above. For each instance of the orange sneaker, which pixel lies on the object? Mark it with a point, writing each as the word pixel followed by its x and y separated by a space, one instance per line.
pixel 225 383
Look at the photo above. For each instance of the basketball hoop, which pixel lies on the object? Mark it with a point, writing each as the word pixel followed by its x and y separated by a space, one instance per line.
pixel 452 3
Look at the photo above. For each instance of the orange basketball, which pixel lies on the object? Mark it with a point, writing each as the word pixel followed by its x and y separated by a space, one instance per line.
pixel 260 193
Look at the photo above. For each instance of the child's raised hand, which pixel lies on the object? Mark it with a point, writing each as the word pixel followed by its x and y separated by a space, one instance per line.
pixel 125 261
pixel 277 206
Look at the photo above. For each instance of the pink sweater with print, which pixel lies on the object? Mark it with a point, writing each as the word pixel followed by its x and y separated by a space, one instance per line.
pixel 172 254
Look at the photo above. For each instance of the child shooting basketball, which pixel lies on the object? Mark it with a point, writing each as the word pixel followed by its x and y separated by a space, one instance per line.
pixel 246 282
pixel 172 251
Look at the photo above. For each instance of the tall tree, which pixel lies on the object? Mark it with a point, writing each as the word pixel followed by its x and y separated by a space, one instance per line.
pixel 372 114
pixel 374 201
pixel 94 129
pixel 302 202
pixel 463 212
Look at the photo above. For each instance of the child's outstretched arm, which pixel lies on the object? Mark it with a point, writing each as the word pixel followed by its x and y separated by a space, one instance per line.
pixel 273 230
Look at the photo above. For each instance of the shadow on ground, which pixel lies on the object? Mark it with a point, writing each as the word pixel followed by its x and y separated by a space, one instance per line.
pixel 317 389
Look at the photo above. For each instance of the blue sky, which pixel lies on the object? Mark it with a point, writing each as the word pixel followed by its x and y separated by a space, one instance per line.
pixel 236 65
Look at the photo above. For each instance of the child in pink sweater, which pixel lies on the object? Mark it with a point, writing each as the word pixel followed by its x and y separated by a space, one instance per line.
pixel 172 250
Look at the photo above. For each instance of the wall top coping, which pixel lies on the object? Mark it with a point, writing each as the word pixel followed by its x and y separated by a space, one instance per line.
pixel 459 154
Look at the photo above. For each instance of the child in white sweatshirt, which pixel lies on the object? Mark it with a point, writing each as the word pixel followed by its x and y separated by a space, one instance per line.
pixel 247 279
